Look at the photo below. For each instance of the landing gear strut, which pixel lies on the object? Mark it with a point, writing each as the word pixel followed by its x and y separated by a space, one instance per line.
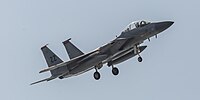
pixel 137 51
pixel 96 75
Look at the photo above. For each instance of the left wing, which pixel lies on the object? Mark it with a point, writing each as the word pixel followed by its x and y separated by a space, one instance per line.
pixel 112 45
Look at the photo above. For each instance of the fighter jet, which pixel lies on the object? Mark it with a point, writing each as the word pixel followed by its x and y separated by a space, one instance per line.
pixel 120 49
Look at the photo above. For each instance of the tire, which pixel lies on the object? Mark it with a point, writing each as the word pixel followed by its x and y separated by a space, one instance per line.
pixel 97 75
pixel 115 71
pixel 139 59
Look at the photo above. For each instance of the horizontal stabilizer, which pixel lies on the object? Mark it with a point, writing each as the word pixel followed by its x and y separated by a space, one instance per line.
pixel 50 68
pixel 47 79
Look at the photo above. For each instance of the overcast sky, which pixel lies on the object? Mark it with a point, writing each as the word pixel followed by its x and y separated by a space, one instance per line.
pixel 170 67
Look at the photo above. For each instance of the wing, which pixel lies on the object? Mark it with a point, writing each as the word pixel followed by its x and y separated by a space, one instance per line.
pixel 113 46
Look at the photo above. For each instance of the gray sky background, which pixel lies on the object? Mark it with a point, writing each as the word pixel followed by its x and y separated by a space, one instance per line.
pixel 170 70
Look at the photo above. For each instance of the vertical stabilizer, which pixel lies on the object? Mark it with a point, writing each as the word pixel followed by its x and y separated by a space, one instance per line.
pixel 51 59
pixel 71 49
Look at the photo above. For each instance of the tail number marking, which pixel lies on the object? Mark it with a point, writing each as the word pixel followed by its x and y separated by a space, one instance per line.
pixel 53 58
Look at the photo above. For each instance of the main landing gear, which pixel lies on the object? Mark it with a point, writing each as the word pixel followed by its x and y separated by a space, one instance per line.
pixel 115 70
pixel 96 75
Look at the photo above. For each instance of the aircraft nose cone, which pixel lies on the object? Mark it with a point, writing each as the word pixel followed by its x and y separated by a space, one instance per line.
pixel 161 26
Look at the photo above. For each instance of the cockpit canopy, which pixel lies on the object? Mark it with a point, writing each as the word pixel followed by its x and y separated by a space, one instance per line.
pixel 134 25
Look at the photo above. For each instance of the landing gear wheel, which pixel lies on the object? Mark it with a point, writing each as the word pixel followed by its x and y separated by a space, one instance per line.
pixel 97 75
pixel 139 59
pixel 115 71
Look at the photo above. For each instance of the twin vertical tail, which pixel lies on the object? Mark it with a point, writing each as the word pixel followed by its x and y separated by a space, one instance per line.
pixel 51 59
pixel 71 49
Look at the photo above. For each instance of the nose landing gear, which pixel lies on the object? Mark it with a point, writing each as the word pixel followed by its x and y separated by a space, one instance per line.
pixel 139 59
pixel 137 51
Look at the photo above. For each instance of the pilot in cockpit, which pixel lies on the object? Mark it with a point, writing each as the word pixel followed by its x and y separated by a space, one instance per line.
pixel 134 25
pixel 141 24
